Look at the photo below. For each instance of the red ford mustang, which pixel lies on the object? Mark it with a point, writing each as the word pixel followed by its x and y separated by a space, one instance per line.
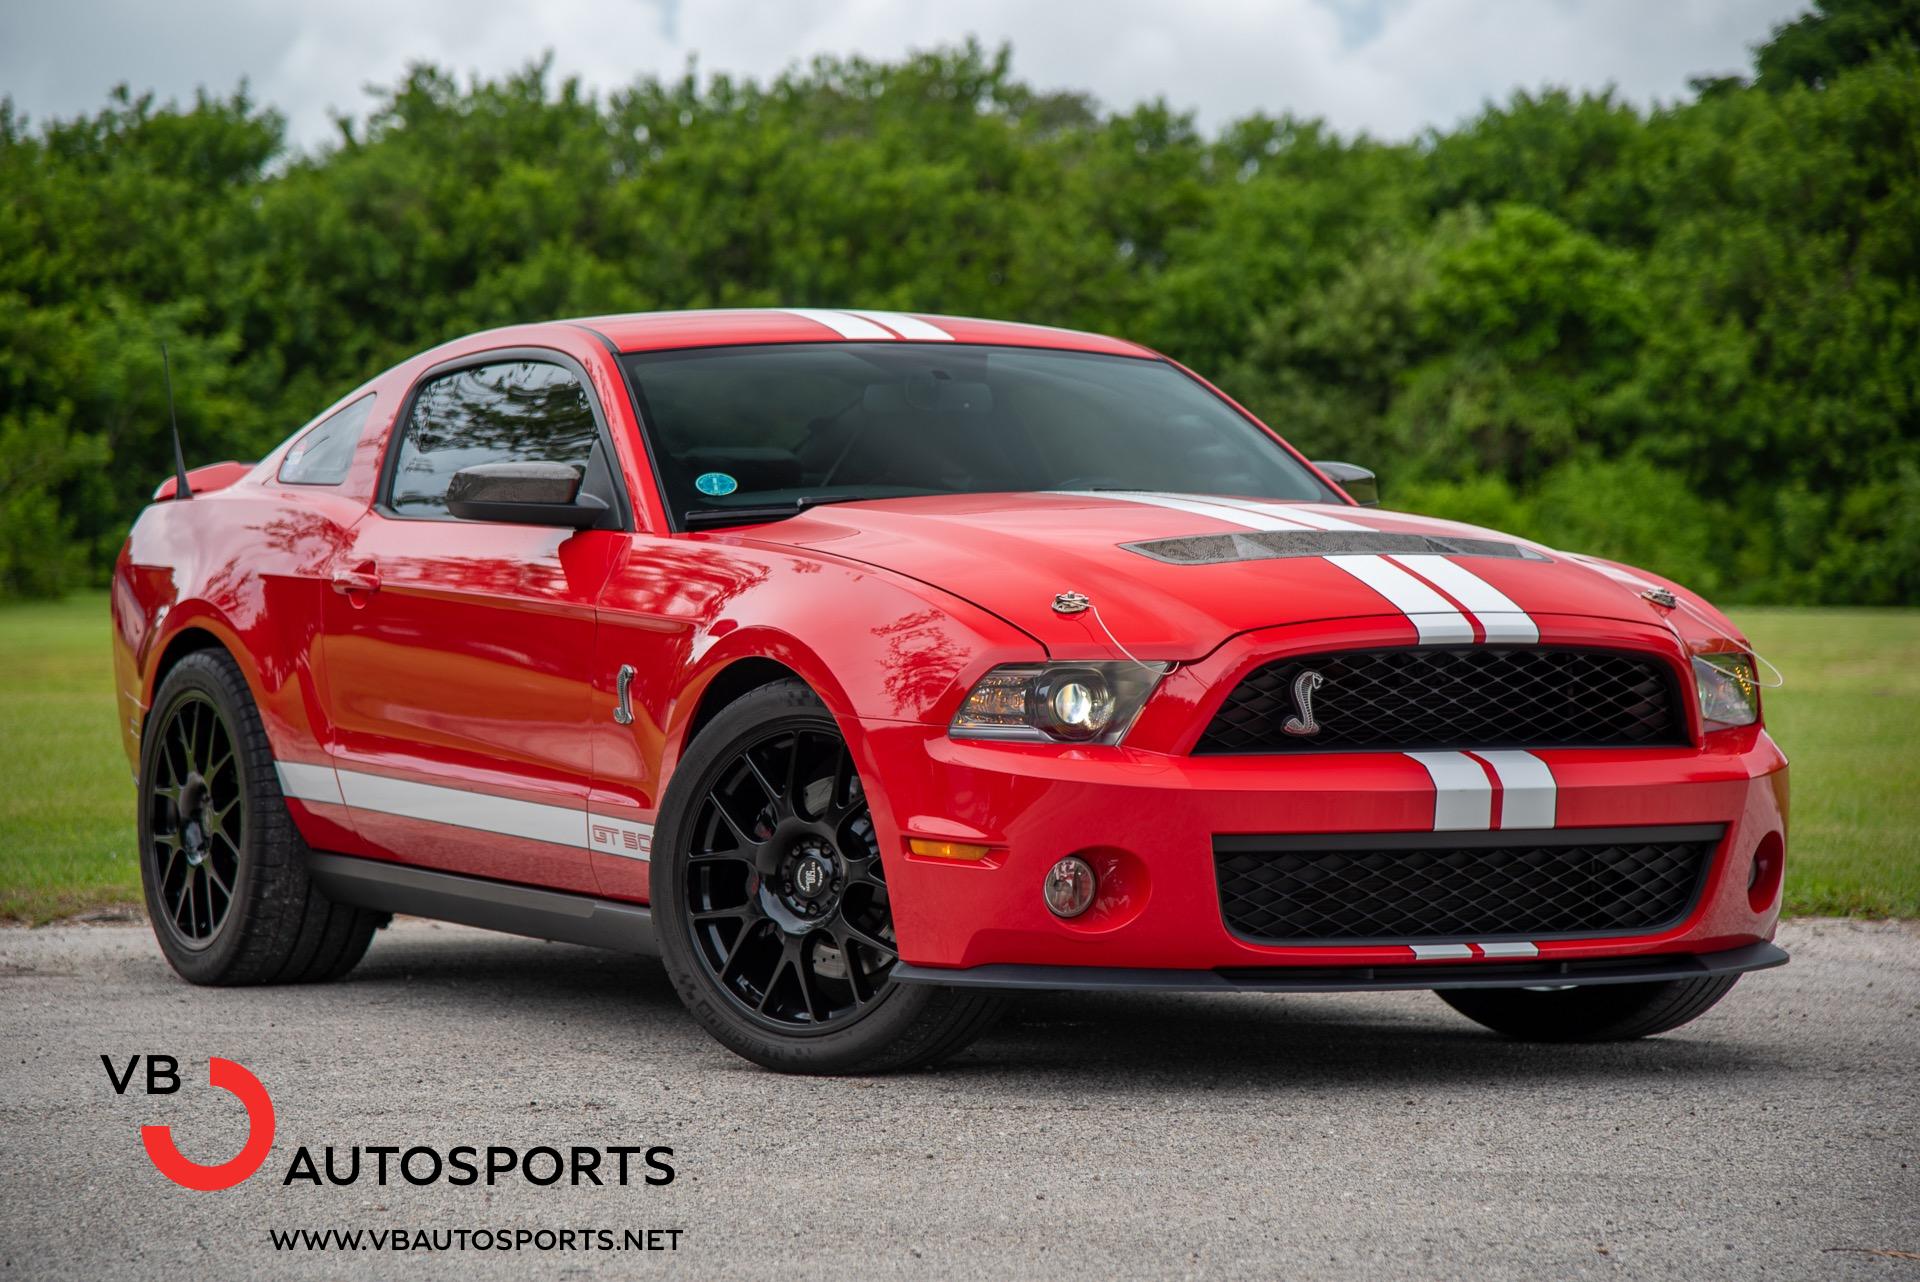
pixel 868 665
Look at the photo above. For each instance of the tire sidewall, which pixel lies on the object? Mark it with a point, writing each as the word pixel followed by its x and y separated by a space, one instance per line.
pixel 200 674
pixel 769 709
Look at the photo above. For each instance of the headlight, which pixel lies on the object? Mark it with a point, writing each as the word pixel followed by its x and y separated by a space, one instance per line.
pixel 1729 690
pixel 1057 702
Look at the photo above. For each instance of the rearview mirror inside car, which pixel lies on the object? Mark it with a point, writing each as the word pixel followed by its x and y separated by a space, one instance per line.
pixel 1363 486
pixel 530 493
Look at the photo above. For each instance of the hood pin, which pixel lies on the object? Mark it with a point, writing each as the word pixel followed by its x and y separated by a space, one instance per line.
pixel 1071 603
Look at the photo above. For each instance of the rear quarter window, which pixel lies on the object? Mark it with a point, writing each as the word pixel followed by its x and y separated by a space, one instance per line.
pixel 324 455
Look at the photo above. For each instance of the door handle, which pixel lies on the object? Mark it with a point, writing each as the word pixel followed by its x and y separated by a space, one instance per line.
pixel 362 578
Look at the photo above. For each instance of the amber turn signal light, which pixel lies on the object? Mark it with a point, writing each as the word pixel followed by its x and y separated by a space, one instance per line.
pixel 948 849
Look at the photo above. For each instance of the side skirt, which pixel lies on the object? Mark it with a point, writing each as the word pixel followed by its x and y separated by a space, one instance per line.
pixel 491 905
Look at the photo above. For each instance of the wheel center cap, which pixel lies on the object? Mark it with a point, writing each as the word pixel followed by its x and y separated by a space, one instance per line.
pixel 812 876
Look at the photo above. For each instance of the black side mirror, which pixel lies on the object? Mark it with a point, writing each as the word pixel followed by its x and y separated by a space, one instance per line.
pixel 525 494
pixel 1363 486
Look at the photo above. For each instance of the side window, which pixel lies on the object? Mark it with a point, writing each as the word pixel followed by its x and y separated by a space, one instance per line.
pixel 324 455
pixel 510 412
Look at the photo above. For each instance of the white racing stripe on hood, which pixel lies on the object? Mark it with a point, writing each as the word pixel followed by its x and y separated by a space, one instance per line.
pixel 1437 622
pixel 845 324
pixel 1499 617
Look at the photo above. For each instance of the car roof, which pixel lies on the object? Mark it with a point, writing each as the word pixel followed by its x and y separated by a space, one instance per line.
pixel 656 331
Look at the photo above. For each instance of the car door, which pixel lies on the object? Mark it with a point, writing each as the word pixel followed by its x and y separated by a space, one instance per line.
pixel 458 652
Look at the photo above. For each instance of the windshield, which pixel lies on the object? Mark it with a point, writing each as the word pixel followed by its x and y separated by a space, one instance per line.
pixel 761 427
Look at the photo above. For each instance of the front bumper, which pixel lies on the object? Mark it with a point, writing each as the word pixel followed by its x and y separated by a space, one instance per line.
pixel 1150 822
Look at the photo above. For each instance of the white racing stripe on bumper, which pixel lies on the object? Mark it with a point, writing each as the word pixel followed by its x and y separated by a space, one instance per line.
pixel 1437 622
pixel 468 808
pixel 1512 948
pixel 1439 952
pixel 1528 795
pixel 1462 795
pixel 845 324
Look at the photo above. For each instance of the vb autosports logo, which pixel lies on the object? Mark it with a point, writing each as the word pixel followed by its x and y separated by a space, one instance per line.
pixel 163 1078
pixel 465 1164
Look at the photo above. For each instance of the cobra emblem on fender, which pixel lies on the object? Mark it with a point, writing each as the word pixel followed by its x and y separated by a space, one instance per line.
pixel 1303 687
pixel 623 705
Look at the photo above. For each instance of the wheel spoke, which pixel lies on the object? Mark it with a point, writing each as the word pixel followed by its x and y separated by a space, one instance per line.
pixel 733 825
pixel 793 771
pixel 226 760
pixel 841 801
pixel 760 777
pixel 856 977
pixel 735 959
pixel 817 1010
pixel 779 969
pixel 856 935
pixel 218 822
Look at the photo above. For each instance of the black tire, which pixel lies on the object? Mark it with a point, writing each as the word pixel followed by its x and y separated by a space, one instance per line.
pixel 1594 1013
pixel 827 1004
pixel 225 878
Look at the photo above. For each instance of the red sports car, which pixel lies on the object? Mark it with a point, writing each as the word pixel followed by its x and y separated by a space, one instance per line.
pixel 868 665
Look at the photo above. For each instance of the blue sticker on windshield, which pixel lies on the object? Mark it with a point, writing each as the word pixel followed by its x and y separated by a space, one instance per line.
pixel 715 484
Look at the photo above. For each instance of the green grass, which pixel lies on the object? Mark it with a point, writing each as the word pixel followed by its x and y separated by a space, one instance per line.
pixel 1849 721
pixel 1848 717
pixel 66 809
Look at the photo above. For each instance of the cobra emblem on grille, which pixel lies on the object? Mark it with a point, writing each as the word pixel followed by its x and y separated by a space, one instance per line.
pixel 1303 687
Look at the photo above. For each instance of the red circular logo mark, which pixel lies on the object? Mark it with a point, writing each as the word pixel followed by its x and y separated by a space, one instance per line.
pixel 186 1172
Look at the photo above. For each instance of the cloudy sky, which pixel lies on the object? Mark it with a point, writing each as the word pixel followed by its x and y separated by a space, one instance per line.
pixel 1389 67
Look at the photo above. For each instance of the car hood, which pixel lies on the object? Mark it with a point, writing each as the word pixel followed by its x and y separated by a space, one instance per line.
pixel 1174 576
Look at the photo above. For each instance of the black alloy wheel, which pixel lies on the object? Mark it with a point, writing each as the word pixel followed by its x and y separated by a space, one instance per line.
pixel 771 901
pixel 222 865
pixel 197 818
pixel 785 889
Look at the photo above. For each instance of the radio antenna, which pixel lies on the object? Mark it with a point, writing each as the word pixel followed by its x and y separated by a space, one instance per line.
pixel 181 489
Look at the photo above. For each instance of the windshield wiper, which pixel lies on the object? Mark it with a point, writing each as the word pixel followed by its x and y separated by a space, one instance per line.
pixel 764 512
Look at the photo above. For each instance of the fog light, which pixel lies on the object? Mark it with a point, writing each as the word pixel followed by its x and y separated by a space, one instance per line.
pixel 1069 887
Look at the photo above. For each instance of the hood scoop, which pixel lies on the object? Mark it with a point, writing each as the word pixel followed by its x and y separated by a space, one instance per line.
pixel 1221 549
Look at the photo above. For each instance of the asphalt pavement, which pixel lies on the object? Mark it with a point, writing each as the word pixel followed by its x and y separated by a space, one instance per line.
pixel 1362 1137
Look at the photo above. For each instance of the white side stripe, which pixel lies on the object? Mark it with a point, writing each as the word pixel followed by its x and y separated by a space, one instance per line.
pixel 1193 507
pixel 468 808
pixel 1513 948
pixel 1432 952
pixel 309 783
pixel 1462 796
pixel 1437 622
pixel 1498 615
pixel 908 326
pixel 844 324
pixel 535 821
pixel 1528 794
pixel 1298 515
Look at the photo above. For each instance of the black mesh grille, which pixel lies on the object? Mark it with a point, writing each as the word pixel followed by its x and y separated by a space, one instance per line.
pixel 1482 697
pixel 1391 888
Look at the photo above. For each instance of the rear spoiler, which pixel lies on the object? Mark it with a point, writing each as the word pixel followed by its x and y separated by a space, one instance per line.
pixel 203 480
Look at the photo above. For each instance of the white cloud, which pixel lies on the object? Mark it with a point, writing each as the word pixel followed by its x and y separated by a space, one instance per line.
pixel 1390 67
